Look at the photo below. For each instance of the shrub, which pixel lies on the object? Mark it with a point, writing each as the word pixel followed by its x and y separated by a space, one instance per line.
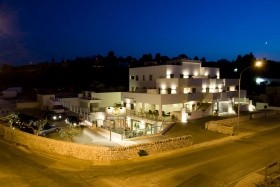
pixel 70 132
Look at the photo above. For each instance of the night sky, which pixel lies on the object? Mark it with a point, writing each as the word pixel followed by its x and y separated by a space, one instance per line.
pixel 37 30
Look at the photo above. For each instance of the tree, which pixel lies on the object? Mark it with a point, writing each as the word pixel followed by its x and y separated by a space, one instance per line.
pixel 203 60
pixel 146 58
pixel 9 119
pixel 245 61
pixel 70 132
pixel 158 58
pixel 111 59
pixel 39 125
pixel 181 56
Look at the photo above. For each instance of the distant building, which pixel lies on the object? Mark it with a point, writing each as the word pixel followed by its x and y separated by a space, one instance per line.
pixel 11 92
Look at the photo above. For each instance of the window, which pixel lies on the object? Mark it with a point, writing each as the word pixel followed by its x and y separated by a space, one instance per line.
pixel 132 77
pixel 172 75
pixel 143 77
pixel 132 89
pixel 151 77
pixel 136 77
pixel 193 90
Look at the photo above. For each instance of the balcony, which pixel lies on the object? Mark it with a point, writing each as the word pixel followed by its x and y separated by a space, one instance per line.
pixel 210 97
pixel 149 116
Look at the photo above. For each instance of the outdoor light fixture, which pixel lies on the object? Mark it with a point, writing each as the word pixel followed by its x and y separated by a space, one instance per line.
pixel 257 64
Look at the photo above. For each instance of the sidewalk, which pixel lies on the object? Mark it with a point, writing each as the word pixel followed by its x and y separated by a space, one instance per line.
pixel 92 137
pixel 250 180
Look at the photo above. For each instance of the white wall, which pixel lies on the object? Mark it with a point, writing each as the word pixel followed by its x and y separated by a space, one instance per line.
pixel 191 68
pixel 142 97
pixel 43 100
pixel 210 71
pixel 72 101
pixel 108 98
pixel 155 71
pixel 260 106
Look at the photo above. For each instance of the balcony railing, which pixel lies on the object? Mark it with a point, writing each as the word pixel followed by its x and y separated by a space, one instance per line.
pixel 150 115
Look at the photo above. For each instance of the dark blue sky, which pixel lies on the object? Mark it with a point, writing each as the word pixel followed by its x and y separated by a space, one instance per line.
pixel 37 30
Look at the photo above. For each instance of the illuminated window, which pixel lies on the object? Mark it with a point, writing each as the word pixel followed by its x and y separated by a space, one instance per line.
pixel 187 90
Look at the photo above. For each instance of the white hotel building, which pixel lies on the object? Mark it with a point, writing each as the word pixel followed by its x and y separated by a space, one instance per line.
pixel 181 89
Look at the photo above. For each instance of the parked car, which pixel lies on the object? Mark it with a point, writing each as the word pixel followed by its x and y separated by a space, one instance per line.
pixel 51 115
pixel 48 128
pixel 73 121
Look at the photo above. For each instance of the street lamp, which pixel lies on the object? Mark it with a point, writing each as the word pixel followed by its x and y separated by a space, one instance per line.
pixel 257 64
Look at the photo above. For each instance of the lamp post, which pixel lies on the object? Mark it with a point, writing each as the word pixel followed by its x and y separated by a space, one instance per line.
pixel 257 64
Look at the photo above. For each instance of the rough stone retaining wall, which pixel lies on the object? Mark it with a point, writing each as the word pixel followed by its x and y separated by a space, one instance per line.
pixel 227 126
pixel 90 152
pixel 151 148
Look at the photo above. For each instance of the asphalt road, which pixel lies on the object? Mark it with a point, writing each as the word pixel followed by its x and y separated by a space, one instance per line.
pixel 223 164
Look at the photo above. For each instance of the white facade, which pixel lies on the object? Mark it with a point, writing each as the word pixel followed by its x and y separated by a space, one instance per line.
pixel 183 90
pixel 185 85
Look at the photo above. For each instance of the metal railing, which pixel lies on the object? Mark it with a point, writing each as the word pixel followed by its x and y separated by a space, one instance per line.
pixel 150 115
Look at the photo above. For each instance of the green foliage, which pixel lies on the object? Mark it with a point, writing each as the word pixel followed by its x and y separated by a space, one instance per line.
pixel 40 125
pixel 9 119
pixel 70 132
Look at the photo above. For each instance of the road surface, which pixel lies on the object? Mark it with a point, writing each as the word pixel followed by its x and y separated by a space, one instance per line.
pixel 223 164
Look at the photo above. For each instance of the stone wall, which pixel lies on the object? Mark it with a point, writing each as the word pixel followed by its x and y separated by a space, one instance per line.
pixel 220 127
pixel 27 105
pixel 227 126
pixel 90 152
pixel 152 147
